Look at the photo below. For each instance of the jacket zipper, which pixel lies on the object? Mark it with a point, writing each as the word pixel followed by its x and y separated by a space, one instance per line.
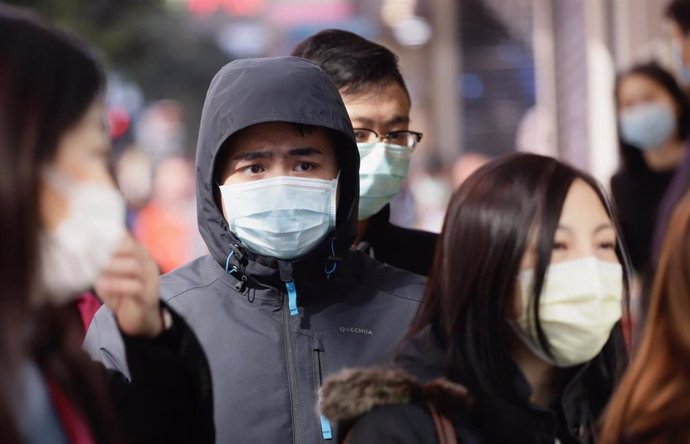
pixel 292 377
pixel 326 431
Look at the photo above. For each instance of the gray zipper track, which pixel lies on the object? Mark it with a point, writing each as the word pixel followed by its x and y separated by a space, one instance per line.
pixel 292 377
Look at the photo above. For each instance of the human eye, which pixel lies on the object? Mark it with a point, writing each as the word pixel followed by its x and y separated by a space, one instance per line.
pixel 397 137
pixel 303 167
pixel 606 244
pixel 362 135
pixel 253 169
pixel 560 246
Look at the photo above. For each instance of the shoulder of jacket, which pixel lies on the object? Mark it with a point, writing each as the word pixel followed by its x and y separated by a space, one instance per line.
pixel 388 278
pixel 350 393
pixel 198 273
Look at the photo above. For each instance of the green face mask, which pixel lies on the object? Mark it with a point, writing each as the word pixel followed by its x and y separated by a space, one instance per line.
pixel 382 169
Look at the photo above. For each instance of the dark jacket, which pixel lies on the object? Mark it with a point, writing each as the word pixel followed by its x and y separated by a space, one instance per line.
pixel 404 248
pixel 138 407
pixel 571 419
pixel 385 405
pixel 266 362
pixel 637 195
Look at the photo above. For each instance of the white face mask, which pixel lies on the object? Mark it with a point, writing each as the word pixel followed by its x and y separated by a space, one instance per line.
pixel 382 169
pixel 282 217
pixel 74 255
pixel 580 303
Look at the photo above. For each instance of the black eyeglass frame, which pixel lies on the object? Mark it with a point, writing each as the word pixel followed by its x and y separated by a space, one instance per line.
pixel 417 136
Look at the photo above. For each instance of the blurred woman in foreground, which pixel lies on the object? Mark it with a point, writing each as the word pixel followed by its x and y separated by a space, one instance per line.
pixel 652 404
pixel 62 232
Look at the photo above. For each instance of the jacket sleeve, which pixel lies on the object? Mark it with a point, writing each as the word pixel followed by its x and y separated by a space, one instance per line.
pixel 161 387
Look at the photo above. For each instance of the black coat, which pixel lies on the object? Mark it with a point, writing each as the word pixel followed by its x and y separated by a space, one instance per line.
pixel 404 419
pixel 404 248
pixel 637 195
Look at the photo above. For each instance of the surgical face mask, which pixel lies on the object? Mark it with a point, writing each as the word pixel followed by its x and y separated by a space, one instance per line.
pixel 580 303
pixel 648 126
pixel 82 245
pixel 382 169
pixel 282 217
pixel 682 70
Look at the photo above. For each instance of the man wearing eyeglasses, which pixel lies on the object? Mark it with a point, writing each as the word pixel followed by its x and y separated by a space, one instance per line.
pixel 377 100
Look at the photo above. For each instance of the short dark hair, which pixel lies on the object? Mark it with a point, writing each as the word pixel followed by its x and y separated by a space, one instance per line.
pixel 631 156
pixel 353 62
pixel 679 12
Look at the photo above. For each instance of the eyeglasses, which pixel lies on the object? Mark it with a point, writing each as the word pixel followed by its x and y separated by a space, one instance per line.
pixel 408 139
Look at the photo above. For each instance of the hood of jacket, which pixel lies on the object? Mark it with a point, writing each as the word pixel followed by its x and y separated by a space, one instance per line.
pixel 280 89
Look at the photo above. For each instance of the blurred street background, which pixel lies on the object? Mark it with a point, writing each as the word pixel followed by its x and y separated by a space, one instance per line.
pixel 486 77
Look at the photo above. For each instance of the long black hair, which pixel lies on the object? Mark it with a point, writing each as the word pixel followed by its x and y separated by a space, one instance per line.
pixel 48 80
pixel 631 156
pixel 472 286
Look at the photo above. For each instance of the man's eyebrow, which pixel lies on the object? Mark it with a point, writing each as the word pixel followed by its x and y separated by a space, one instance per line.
pixel 252 155
pixel 363 121
pixel 398 120
pixel 369 123
pixel 305 151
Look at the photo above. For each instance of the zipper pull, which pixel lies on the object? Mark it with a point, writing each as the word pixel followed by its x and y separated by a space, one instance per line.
pixel 292 297
pixel 326 431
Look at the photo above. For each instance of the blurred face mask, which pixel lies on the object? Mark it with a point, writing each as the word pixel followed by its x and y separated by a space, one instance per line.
pixel 648 126
pixel 382 169
pixel 580 304
pixel 282 217
pixel 82 245
pixel 681 69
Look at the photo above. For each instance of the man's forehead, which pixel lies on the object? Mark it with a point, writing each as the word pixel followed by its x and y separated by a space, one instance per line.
pixel 382 106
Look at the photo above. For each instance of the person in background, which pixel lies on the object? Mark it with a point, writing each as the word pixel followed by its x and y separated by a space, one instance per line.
pixel 133 174
pixel 651 405
pixel 678 14
pixel 377 100
pixel 653 127
pixel 166 225
pixel 525 331
pixel 62 232
pixel 282 300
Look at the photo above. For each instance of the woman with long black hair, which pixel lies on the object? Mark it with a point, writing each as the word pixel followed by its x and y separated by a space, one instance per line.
pixel 521 319
pixel 61 232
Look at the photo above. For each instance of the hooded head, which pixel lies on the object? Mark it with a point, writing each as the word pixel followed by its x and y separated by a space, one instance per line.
pixel 283 89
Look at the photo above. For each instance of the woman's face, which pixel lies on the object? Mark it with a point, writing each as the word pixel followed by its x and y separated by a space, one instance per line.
pixel 82 156
pixel 584 230
pixel 636 89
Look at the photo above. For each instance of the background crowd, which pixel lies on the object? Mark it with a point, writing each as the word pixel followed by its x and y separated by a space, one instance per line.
pixel 298 221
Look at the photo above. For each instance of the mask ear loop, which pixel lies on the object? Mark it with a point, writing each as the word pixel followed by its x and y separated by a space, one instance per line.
pixel 333 259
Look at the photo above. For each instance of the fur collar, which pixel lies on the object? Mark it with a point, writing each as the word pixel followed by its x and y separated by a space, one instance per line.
pixel 347 395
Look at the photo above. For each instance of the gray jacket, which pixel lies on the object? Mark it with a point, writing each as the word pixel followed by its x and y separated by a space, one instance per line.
pixel 267 363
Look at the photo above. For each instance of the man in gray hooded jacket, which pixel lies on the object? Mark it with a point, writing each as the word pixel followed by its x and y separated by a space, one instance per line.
pixel 282 300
